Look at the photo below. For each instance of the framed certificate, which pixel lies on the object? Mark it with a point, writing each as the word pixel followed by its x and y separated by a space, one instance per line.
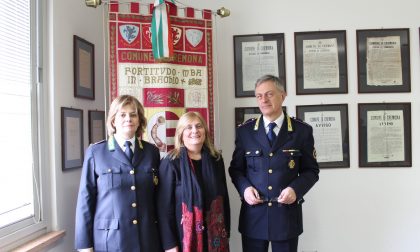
pixel 385 135
pixel 321 62
pixel 71 138
pixel 257 55
pixel 383 60
pixel 244 114
pixel 84 68
pixel 331 133
pixel 96 125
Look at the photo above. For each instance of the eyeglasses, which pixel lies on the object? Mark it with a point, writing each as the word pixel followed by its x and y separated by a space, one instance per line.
pixel 267 95
pixel 266 199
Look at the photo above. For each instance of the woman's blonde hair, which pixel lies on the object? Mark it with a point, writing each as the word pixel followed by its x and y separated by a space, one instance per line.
pixel 116 105
pixel 183 122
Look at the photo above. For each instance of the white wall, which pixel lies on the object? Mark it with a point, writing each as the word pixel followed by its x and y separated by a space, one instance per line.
pixel 348 210
pixel 65 19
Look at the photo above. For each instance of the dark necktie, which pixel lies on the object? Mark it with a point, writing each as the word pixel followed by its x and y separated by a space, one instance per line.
pixel 270 134
pixel 128 151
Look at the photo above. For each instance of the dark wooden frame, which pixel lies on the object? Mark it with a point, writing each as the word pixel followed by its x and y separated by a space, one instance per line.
pixel 241 112
pixel 343 109
pixel 362 36
pixel 66 162
pixel 342 61
pixel 96 115
pixel 80 91
pixel 363 108
pixel 237 43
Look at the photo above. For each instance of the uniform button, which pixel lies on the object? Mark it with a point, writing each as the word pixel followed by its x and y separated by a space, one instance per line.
pixel 271 154
pixel 132 172
pixel 135 222
pixel 109 170
pixel 270 187
pixel 270 170
pixel 133 204
pixel 133 188
pixel 270 204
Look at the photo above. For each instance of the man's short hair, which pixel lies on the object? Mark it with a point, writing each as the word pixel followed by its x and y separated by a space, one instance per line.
pixel 276 80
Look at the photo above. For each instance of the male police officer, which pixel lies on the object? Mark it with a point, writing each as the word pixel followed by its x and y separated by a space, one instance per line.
pixel 273 166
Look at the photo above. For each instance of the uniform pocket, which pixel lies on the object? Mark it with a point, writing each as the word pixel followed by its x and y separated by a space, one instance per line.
pixel 292 157
pixel 254 159
pixel 106 235
pixel 106 224
pixel 112 178
pixel 292 153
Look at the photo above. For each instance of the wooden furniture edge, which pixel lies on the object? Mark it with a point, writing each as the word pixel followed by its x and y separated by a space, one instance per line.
pixel 40 243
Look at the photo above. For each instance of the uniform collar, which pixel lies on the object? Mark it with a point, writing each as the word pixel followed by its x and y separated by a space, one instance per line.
pixel 289 122
pixel 278 121
pixel 121 141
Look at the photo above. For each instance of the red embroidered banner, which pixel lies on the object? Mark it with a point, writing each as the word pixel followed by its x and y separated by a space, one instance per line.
pixel 166 89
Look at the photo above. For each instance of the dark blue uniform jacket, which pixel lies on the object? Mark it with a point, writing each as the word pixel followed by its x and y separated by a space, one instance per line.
pixel 290 162
pixel 116 201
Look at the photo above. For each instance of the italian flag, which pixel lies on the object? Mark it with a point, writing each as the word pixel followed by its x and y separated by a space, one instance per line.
pixel 161 31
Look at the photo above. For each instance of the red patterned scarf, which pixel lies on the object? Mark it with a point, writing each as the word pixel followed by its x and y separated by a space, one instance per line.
pixel 192 206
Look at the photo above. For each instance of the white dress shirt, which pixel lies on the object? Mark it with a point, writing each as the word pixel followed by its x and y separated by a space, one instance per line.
pixel 278 121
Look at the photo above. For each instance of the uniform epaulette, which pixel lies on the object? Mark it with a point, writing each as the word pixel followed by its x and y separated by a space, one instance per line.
pixel 300 121
pixel 99 142
pixel 247 121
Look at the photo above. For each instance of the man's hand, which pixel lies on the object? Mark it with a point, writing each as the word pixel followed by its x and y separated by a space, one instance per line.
pixel 287 196
pixel 251 196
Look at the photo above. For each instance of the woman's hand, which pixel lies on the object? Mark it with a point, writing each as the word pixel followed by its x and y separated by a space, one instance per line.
pixel 174 249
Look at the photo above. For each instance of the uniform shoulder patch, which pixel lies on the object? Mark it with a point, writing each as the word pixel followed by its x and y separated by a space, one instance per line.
pixel 246 122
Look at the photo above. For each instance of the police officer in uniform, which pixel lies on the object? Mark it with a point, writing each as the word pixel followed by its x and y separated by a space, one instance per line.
pixel 116 202
pixel 273 166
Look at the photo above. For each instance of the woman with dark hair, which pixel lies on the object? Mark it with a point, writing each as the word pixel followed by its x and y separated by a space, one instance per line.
pixel 116 203
pixel 193 202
